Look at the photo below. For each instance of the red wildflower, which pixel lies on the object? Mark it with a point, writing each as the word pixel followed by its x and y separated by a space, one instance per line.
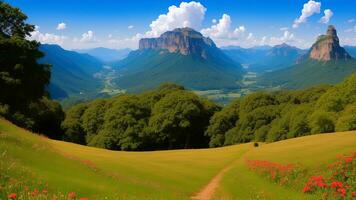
pixel 306 189
pixel 34 193
pixel 341 191
pixel 348 159
pixel 54 198
pixel 45 191
pixel 12 196
pixel 353 194
pixel 71 195
pixel 336 184
pixel 321 184
pixel 83 198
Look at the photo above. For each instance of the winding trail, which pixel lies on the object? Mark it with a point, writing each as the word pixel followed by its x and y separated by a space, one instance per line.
pixel 209 190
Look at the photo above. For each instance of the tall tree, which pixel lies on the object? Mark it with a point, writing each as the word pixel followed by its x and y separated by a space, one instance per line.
pixel 22 79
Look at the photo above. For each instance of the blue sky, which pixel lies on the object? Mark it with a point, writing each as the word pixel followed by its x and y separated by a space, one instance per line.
pixel 119 24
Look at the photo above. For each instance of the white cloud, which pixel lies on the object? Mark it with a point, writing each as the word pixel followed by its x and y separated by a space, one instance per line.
pixel 327 15
pixel 285 38
pixel 87 37
pixel 214 21
pixel 223 30
pixel 61 26
pixel 186 15
pixel 351 20
pixel 46 38
pixel 284 28
pixel 308 10
pixel 130 27
pixel 353 29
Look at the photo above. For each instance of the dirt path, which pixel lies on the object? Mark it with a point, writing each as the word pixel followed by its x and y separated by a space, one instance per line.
pixel 209 190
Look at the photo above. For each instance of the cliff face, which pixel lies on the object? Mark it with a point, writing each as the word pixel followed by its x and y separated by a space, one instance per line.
pixel 327 47
pixel 181 40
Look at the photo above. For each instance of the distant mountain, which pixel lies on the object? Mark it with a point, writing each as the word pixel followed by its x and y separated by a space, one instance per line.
pixel 266 58
pixel 106 54
pixel 182 56
pixel 351 50
pixel 72 72
pixel 247 57
pixel 326 63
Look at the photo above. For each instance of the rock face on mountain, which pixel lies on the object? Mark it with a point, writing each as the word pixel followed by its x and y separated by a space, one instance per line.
pixel 327 47
pixel 185 41
pixel 182 56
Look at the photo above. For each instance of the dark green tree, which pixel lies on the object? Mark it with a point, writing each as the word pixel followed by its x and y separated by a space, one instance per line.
pixel 73 125
pixel 22 79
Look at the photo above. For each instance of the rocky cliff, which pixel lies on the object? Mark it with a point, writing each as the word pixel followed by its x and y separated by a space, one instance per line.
pixel 327 47
pixel 181 40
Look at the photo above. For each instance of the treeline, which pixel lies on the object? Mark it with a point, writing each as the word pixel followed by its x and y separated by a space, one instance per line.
pixel 285 114
pixel 166 118
pixel 171 117
pixel 23 96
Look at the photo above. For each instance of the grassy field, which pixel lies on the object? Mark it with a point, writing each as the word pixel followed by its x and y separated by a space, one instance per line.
pixel 60 167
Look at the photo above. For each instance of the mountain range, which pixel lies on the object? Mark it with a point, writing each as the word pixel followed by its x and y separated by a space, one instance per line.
pixel 72 72
pixel 326 63
pixel 265 58
pixel 106 54
pixel 183 56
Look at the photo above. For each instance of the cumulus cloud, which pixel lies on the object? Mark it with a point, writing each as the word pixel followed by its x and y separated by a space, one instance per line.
pixel 46 38
pixel 327 15
pixel 308 10
pixel 284 28
pixel 61 26
pixel 185 15
pixel 214 21
pixel 223 29
pixel 87 37
pixel 285 38
pixel 130 27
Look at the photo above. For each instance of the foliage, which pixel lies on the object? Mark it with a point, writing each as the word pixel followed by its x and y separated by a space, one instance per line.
pixel 166 118
pixel 347 119
pixel 285 114
pixel 22 79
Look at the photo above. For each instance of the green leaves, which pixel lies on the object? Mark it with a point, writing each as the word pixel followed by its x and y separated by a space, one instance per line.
pixel 165 118
pixel 285 114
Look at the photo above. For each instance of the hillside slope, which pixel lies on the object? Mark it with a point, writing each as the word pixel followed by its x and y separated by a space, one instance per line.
pixel 310 73
pixel 61 167
pixel 71 72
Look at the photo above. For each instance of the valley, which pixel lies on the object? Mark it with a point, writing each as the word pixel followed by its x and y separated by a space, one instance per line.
pixel 175 100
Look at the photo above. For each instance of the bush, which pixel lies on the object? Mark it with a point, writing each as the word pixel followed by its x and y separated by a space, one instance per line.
pixel 347 119
pixel 322 122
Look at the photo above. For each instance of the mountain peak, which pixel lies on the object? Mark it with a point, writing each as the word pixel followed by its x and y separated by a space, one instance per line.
pixel 327 47
pixel 185 41
pixel 331 31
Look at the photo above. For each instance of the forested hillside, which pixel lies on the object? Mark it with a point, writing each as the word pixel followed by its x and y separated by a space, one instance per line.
pixel 171 117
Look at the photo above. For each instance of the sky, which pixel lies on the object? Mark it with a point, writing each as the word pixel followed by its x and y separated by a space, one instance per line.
pixel 78 24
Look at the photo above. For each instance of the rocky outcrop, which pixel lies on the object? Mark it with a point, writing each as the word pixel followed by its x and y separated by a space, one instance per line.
pixel 181 40
pixel 327 47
